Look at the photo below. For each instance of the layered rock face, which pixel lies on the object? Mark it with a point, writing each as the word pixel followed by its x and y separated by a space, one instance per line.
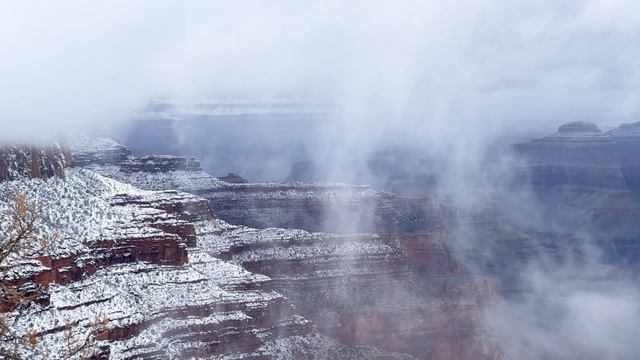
pixel 309 206
pixel 332 207
pixel 627 144
pixel 367 289
pixel 581 154
pixel 89 151
pixel 401 292
pixel 33 161
pixel 585 179
pixel 408 289
pixel 577 154
pixel 585 176
pixel 132 257
pixel 156 172
pixel 323 207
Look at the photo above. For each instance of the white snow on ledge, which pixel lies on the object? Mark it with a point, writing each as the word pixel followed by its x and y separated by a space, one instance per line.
pixel 77 209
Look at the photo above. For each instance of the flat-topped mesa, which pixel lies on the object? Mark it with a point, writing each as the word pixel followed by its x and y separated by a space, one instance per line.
pixel 28 161
pixel 579 127
pixel 574 143
pixel 585 175
pixel 579 153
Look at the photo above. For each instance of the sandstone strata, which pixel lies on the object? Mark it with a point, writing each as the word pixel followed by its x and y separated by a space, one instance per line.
pixel 402 291
pixel 585 177
pixel 141 267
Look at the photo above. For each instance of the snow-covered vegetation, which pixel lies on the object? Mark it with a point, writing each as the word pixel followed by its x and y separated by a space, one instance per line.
pixel 77 209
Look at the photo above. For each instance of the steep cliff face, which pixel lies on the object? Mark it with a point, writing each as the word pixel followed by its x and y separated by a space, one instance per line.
pixel 323 207
pixel 585 155
pixel 576 142
pixel 585 177
pixel 367 290
pixel 132 257
pixel 577 154
pixel 88 151
pixel 627 143
pixel 401 292
pixel 33 161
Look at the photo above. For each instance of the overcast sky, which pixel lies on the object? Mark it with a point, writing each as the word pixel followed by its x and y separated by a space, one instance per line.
pixel 439 68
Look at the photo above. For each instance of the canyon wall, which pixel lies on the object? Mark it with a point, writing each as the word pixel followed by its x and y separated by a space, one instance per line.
pixel 584 177
pixel 142 269
pixel 401 291
pixel 33 161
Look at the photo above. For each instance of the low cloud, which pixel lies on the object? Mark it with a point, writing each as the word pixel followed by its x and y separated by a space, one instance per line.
pixel 433 71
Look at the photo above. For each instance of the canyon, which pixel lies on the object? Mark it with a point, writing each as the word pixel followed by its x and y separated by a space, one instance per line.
pixel 185 265
pixel 342 274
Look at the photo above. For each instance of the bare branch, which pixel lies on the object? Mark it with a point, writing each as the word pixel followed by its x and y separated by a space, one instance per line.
pixel 22 242
pixel 24 216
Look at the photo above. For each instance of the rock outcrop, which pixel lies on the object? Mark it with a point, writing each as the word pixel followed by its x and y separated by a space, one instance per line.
pixel 89 151
pixel 33 161
pixel 97 150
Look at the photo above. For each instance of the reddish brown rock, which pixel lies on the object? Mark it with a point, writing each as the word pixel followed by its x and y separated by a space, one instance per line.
pixel 160 298
pixel 34 162
pixel 427 252
pixel 400 294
